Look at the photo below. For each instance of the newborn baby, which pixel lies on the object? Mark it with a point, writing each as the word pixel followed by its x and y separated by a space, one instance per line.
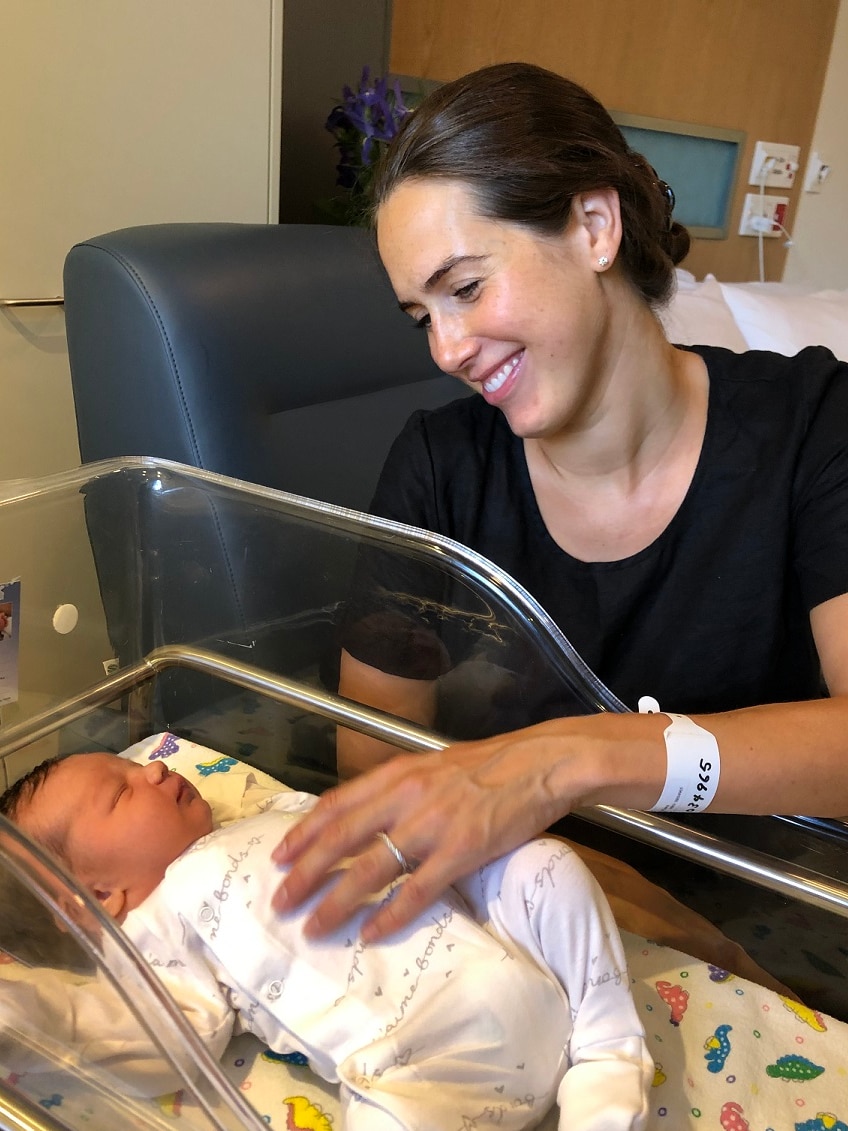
pixel 509 994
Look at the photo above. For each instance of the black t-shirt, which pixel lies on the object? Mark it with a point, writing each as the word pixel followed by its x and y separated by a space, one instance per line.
pixel 712 615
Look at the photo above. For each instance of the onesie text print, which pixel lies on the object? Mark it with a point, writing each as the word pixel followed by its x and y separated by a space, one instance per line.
pixel 422 963
pixel 617 976
pixel 545 876
pixel 494 1113
pixel 212 914
pixel 355 970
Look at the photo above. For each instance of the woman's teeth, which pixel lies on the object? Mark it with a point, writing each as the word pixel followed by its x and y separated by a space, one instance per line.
pixel 493 383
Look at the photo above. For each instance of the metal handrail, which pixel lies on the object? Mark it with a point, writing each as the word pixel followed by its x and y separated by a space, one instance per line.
pixel 711 851
pixel 55 300
pixel 739 861
pixel 346 712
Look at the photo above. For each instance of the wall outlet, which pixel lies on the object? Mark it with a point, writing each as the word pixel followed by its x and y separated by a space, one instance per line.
pixel 817 173
pixel 774 164
pixel 771 208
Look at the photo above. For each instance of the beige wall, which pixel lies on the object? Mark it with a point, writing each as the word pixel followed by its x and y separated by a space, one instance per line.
pixel 820 251
pixel 114 114
pixel 757 65
pixel 44 542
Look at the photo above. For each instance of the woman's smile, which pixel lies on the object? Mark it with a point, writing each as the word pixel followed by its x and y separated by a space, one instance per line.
pixel 518 316
pixel 498 385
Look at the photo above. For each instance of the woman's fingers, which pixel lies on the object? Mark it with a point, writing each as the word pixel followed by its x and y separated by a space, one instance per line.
pixel 373 869
pixel 410 899
pixel 344 824
pixel 370 872
pixel 447 813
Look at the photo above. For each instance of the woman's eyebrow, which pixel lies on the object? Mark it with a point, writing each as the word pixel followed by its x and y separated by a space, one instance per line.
pixel 442 270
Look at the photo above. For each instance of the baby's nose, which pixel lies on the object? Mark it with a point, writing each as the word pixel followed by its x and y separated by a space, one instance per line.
pixel 156 772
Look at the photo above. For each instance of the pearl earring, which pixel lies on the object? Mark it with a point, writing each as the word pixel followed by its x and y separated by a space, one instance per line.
pixel 603 262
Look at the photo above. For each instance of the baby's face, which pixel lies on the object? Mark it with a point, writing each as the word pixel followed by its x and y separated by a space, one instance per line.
pixel 125 822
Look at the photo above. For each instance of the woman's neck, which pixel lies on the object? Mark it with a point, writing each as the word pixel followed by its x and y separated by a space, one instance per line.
pixel 649 402
pixel 609 485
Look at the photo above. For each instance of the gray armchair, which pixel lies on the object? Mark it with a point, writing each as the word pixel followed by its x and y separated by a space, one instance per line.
pixel 274 354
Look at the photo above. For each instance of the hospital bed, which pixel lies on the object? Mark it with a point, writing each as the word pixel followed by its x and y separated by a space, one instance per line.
pixel 104 570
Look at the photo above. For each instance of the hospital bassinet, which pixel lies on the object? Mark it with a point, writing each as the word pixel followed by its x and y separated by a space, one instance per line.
pixel 145 597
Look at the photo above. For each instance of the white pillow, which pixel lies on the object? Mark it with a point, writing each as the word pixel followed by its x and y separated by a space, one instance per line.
pixel 698 315
pixel 231 787
pixel 773 317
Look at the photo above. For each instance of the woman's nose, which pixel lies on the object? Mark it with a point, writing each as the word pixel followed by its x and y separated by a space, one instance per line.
pixel 451 345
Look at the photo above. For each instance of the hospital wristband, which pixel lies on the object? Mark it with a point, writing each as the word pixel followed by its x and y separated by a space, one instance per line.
pixel 693 769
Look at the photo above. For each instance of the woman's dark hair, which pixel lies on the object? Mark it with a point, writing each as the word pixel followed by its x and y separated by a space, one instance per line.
pixel 525 141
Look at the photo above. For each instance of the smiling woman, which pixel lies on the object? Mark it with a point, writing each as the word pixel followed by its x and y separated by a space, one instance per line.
pixel 466 279
pixel 681 513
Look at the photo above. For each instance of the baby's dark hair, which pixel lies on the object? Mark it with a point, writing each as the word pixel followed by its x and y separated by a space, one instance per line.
pixel 28 928
pixel 526 141
pixel 21 791
pixel 19 795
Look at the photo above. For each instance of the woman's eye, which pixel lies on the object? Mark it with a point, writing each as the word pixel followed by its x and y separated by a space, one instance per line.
pixel 468 291
pixel 423 323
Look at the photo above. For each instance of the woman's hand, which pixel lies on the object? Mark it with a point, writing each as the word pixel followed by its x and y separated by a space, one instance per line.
pixel 447 812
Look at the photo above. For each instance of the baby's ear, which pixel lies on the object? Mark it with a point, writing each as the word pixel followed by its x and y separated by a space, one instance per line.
pixel 113 901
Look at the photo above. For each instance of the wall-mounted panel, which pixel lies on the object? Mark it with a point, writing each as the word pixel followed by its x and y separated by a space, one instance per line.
pixel 701 162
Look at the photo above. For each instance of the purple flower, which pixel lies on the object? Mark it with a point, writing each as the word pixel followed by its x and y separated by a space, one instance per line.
pixel 362 123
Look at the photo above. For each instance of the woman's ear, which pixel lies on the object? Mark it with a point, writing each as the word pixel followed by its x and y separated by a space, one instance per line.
pixel 597 224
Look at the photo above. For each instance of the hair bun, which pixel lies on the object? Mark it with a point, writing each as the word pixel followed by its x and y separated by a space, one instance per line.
pixel 677 243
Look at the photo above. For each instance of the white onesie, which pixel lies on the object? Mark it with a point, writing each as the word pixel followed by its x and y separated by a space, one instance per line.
pixel 507 995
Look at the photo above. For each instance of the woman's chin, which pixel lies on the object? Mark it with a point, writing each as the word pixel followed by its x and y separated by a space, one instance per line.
pixel 526 425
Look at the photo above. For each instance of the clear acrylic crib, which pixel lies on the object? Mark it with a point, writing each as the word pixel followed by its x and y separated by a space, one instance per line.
pixel 199 605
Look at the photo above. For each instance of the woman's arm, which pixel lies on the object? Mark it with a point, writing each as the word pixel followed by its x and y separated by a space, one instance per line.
pixel 412 699
pixel 453 811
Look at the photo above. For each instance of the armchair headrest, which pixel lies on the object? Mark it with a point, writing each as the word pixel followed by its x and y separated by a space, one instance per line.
pixel 273 353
